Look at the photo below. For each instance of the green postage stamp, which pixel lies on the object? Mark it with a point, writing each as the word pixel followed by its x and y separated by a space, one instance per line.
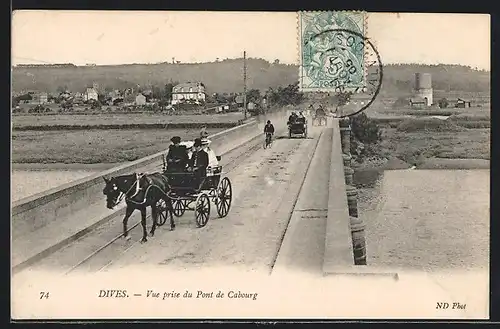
pixel 332 51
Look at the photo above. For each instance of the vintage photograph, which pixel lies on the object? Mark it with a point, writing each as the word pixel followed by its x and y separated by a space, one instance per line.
pixel 314 164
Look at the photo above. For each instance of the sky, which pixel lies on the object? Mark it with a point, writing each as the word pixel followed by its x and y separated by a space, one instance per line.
pixel 114 37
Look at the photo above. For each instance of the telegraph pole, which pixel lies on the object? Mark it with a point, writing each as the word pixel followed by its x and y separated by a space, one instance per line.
pixel 245 83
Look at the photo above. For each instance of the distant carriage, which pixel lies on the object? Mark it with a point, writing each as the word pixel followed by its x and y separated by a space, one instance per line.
pixel 298 127
pixel 319 118
pixel 188 192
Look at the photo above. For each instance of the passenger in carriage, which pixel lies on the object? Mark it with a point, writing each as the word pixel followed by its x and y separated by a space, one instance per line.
pixel 301 118
pixel 292 118
pixel 199 161
pixel 177 157
pixel 212 159
pixel 203 132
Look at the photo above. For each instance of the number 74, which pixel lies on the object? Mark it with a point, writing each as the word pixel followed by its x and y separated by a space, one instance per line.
pixel 44 295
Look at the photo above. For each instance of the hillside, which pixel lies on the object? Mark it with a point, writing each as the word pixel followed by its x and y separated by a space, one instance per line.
pixel 400 77
pixel 227 76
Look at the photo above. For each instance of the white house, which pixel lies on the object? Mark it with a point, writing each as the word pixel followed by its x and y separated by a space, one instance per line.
pixel 194 91
pixel 140 99
pixel 39 98
pixel 44 98
pixel 91 93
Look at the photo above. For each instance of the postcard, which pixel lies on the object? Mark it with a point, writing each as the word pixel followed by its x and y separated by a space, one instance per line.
pixel 250 165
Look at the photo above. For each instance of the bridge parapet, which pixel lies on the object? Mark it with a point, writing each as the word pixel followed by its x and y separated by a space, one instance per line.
pixel 345 239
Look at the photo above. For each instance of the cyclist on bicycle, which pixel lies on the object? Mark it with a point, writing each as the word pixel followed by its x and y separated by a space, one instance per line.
pixel 269 130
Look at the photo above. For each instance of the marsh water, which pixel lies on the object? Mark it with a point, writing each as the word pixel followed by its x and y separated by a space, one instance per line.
pixel 426 219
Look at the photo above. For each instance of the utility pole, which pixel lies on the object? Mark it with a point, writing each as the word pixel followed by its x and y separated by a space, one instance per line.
pixel 245 83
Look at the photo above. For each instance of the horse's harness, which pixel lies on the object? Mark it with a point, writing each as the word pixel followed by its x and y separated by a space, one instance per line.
pixel 138 188
pixel 136 184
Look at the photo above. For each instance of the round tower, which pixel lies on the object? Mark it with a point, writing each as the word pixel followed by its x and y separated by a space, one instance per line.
pixel 423 87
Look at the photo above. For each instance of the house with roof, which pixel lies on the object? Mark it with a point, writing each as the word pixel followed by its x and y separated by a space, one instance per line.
pixel 140 99
pixel 462 103
pixel 90 93
pixel 193 91
pixel 39 98
pixel 418 102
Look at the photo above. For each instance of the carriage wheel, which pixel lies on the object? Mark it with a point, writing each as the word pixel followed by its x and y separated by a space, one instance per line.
pixel 202 210
pixel 163 212
pixel 224 197
pixel 179 207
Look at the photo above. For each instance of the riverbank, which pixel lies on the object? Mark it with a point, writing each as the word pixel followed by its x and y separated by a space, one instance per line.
pixel 428 143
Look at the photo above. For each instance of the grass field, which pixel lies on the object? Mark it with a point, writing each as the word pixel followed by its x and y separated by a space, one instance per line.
pixel 414 136
pixel 413 147
pixel 120 119
pixel 93 146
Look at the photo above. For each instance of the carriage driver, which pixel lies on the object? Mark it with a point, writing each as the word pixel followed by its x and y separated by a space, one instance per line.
pixel 177 157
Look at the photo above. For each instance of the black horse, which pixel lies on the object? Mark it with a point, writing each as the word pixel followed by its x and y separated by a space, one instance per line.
pixel 140 192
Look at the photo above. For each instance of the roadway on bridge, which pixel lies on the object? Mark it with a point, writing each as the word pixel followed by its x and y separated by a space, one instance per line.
pixel 266 185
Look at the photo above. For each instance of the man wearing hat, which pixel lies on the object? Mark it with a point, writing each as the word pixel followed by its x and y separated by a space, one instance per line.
pixel 199 161
pixel 203 132
pixel 177 157
pixel 301 118
pixel 292 118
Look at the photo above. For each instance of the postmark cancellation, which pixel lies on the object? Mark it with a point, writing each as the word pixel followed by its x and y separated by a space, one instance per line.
pixel 332 50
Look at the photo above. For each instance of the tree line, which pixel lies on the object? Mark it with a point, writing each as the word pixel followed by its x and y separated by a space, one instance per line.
pixel 226 76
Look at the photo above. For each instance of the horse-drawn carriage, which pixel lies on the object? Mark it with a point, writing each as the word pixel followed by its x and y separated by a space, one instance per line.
pixel 297 127
pixel 171 193
pixel 188 191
